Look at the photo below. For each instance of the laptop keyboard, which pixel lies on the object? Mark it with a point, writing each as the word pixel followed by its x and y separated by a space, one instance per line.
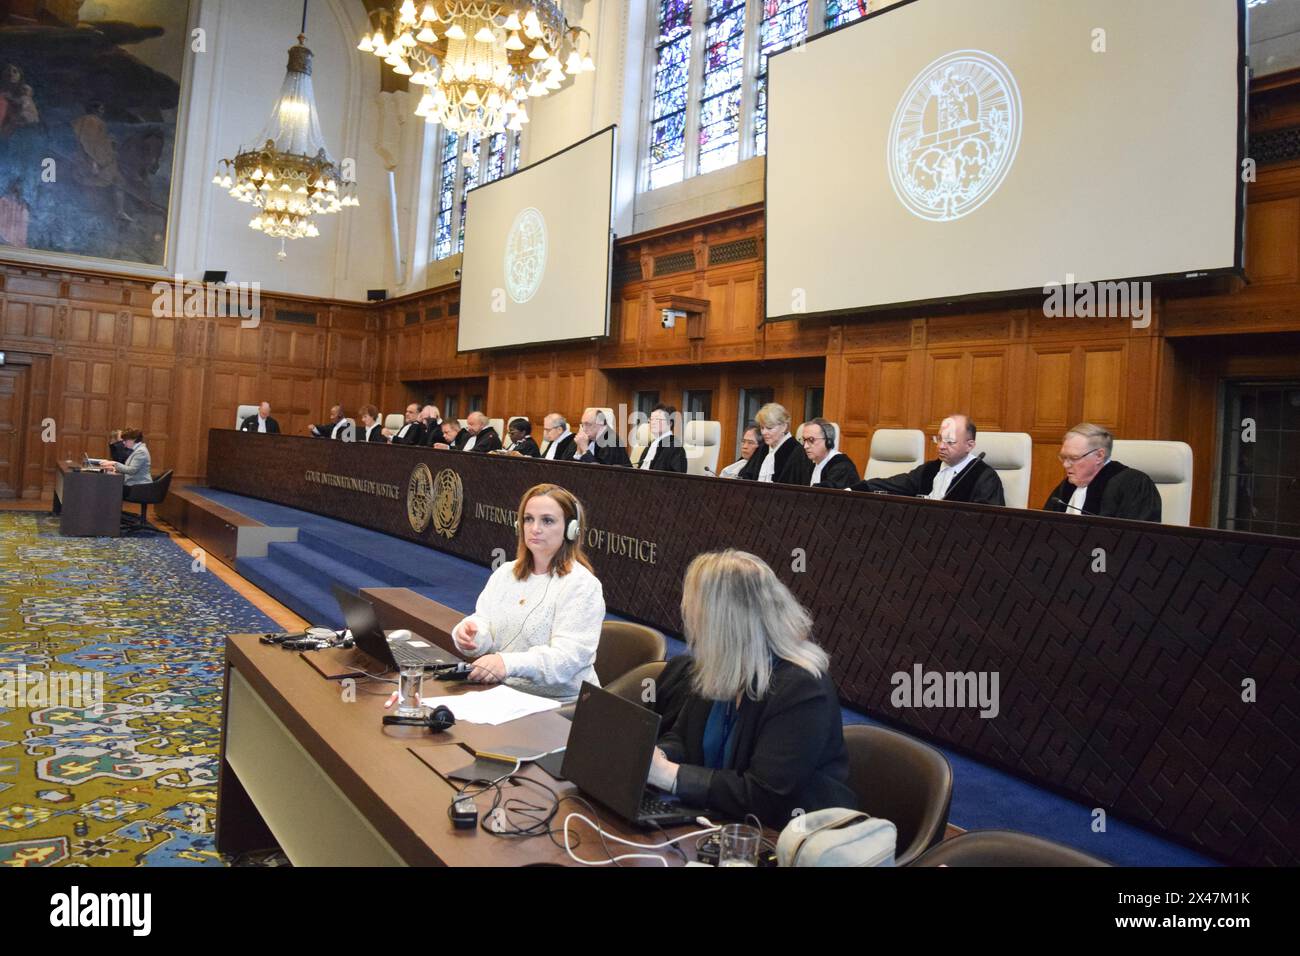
pixel 652 806
pixel 407 655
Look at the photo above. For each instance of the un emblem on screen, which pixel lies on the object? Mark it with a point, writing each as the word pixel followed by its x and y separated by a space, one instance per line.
pixel 525 255
pixel 419 498
pixel 448 500
pixel 955 135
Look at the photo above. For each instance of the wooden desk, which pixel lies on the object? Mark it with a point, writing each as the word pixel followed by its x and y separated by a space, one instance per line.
pixel 322 777
pixel 87 502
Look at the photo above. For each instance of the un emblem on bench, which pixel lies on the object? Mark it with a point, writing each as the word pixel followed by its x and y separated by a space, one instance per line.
pixel 419 498
pixel 448 498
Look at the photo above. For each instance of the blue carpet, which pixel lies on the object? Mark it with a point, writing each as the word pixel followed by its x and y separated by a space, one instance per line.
pixel 299 576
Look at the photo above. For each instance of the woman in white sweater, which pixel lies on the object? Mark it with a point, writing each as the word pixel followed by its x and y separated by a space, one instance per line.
pixel 537 623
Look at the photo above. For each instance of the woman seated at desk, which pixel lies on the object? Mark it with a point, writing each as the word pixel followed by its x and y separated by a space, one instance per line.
pixel 537 623
pixel 761 730
pixel 136 466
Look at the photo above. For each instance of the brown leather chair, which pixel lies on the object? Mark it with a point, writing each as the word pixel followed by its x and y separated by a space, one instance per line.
pixel 903 780
pixel 629 686
pixel 1004 848
pixel 623 646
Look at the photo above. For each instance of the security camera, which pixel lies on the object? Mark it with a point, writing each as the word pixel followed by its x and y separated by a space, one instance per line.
pixel 668 317
pixel 457 275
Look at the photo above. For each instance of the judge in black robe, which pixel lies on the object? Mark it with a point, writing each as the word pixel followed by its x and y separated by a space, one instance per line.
pixel 1116 491
pixel 792 465
pixel 602 444
pixel 664 453
pixel 819 442
pixel 249 424
pixel 521 438
pixel 975 482
pixel 486 440
pixel 564 446
pixel 453 437
pixel 411 433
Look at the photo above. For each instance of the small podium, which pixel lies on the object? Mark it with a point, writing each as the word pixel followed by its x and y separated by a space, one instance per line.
pixel 88 503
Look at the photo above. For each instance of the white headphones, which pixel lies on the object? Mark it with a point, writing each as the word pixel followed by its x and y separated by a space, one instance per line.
pixel 571 530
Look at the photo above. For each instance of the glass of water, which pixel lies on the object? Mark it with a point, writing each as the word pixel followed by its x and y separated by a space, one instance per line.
pixel 738 845
pixel 409 690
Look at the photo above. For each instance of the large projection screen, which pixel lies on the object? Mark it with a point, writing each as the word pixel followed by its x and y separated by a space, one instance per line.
pixel 943 149
pixel 538 247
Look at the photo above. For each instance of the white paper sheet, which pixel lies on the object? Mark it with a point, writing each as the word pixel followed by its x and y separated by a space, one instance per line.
pixel 495 706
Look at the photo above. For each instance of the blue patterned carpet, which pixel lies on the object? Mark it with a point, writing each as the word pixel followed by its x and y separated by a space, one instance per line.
pixel 126 774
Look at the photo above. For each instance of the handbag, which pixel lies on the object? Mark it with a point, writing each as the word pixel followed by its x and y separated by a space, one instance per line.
pixel 837 837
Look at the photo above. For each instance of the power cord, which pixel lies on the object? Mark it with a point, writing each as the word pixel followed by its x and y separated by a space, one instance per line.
pixel 709 827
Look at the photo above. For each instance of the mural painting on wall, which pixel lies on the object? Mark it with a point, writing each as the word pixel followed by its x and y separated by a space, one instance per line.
pixel 89 94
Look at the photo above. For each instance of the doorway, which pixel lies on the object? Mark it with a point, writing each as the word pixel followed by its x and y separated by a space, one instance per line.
pixel 13 429
pixel 1259 486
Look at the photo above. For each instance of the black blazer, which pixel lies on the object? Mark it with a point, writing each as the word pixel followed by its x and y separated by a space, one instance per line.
pixel 607 455
pixel 668 458
pixel 977 483
pixel 1117 491
pixel 432 432
pixel 249 424
pixel 457 443
pixel 840 472
pixel 488 440
pixel 565 450
pixel 374 433
pixel 414 434
pixel 792 464
pixel 528 447
pixel 789 751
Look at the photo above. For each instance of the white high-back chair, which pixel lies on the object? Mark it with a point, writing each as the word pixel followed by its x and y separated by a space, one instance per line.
pixel 394 422
pixel 894 451
pixel 1169 465
pixel 498 425
pixel 244 412
pixel 702 441
pixel 1011 455
pixel 640 442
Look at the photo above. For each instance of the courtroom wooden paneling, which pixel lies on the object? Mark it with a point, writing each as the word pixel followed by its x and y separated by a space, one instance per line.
pixel 1122 689
pixel 110 359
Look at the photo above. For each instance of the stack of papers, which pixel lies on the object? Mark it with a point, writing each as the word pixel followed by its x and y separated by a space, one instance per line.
pixel 495 706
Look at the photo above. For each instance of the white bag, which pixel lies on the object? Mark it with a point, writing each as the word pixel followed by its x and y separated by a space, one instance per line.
pixel 837 837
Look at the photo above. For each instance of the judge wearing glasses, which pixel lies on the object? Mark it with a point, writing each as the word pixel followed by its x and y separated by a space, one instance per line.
pixel 558 436
pixel 664 453
pixel 956 475
pixel 831 467
pixel 1096 484
pixel 748 445
pixel 780 457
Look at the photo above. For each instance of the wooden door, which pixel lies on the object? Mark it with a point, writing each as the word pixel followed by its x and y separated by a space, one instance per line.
pixel 13 428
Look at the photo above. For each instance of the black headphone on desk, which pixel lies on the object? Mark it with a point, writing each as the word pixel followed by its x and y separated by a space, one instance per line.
pixel 440 718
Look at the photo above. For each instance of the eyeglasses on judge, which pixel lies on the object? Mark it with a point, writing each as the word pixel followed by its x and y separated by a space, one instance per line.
pixel 1075 459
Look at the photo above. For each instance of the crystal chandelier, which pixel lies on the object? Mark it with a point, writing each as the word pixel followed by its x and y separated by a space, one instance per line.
pixel 289 178
pixel 479 61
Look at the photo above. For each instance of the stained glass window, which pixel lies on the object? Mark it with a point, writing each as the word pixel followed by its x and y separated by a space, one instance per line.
pixel 498 157
pixel 840 12
pixel 672 60
pixel 724 62
pixel 448 169
pixel 785 22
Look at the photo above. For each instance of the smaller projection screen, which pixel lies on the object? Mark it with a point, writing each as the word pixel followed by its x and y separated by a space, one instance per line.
pixel 946 149
pixel 538 248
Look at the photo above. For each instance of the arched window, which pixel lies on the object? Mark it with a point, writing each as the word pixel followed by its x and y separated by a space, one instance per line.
pixel 463 163
pixel 708 77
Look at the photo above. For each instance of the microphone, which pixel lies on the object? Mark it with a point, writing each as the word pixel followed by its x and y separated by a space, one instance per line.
pixel 965 471
pixel 1066 505
pixel 710 471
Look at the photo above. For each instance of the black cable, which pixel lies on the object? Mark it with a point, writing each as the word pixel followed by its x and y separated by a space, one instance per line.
pixel 303 31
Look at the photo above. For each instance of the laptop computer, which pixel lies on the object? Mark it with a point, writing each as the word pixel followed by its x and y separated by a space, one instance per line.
pixel 359 615
pixel 610 748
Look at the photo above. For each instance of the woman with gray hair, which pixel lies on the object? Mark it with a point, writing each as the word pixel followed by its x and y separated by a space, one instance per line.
pixel 761 731
pixel 779 457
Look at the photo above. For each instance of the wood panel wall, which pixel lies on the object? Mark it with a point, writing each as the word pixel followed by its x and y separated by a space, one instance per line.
pixel 100 359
